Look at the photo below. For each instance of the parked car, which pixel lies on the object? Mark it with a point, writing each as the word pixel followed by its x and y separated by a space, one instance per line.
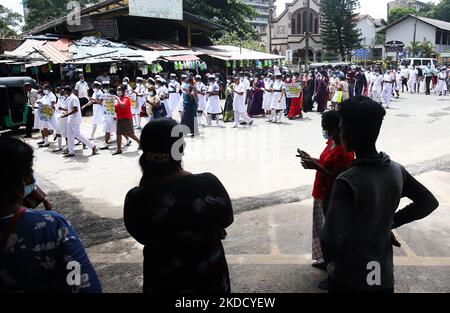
pixel 419 62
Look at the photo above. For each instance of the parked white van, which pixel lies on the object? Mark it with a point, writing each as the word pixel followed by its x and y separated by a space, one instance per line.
pixel 419 62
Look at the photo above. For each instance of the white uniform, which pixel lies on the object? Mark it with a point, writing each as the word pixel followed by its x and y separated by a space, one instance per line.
pixel 82 88
pixel 412 80
pixel 109 105
pixel 97 109
pixel 213 102
pixel 267 98
pixel 246 84
pixel 278 102
pixel 60 109
pixel 201 88
pixel 163 93
pixel 47 113
pixel 441 86
pixel 377 87
pixel 140 100
pixel 388 80
pixel 239 108
pixel 174 96
pixel 73 125
pixel 399 81
pixel 37 119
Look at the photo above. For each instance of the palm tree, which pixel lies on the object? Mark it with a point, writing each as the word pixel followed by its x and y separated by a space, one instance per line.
pixel 426 48
pixel 413 48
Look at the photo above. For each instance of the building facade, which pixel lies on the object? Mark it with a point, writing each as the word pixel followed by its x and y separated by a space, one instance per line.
pixel 289 28
pixel 369 28
pixel 262 7
pixel 436 31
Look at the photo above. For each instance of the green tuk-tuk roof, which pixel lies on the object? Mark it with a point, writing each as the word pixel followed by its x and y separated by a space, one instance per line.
pixel 18 81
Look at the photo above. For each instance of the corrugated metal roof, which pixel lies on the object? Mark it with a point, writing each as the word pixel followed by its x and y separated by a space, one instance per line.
pixel 230 53
pixel 182 58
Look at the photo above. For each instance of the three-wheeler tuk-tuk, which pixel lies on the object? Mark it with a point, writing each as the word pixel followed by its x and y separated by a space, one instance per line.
pixel 13 102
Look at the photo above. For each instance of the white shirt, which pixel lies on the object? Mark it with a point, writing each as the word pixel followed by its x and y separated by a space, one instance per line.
pixel 239 100
pixel 82 87
pixel 377 81
pixel 72 102
pixel 388 79
pixel 246 83
pixel 174 86
pixel 97 95
pixel 140 89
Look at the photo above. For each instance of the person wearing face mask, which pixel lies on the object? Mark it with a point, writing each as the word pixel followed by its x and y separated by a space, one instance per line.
pixel 139 92
pixel 47 114
pixel 60 109
pixel 413 73
pixel 428 73
pixel 332 162
pixel 278 100
pixel 82 90
pixel 201 94
pixel 124 119
pixel 268 93
pixel 174 89
pixel 321 92
pixel 74 121
pixel 213 107
pixel 388 82
pixel 398 82
pixel 153 104
pixel 163 94
pixel 376 87
pixel 129 92
pixel 98 109
pixel 441 87
pixel 36 247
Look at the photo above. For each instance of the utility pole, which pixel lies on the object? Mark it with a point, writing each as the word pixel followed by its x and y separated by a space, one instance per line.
pixel 307 3
pixel 414 38
pixel 270 25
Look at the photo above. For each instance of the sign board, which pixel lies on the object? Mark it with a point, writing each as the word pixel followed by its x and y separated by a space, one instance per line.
pixel 163 9
pixel 394 46
pixel 293 90
pixel 362 54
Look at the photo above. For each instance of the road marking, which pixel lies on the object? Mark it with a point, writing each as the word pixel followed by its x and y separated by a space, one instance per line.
pixel 275 250
pixel 267 259
pixel 408 251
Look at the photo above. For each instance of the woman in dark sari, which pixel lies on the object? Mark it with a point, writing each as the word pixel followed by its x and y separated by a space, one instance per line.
pixel 228 113
pixel 257 97
pixel 321 93
pixel 308 94
pixel 179 217
pixel 190 108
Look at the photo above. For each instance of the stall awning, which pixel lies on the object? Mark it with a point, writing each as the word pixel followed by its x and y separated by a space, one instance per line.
pixel 231 53
pixel 182 58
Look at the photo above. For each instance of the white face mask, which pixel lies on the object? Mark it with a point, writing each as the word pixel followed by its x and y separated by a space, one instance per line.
pixel 125 83
pixel 95 89
pixel 326 135
pixel 120 93
pixel 46 92
pixel 151 93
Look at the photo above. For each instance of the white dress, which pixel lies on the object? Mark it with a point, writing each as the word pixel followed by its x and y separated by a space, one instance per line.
pixel 174 95
pixel 213 102
pixel 267 98
pixel 442 82
pixel 47 113
pixel 201 98
pixel 140 100
pixel 97 109
pixel 37 119
pixel 278 86
pixel 239 100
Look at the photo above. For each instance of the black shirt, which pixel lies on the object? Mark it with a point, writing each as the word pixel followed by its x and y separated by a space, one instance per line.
pixel 181 224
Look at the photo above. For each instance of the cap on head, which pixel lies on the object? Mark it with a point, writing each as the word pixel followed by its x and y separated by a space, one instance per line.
pixel 198 77
pixel 173 75
pixel 126 79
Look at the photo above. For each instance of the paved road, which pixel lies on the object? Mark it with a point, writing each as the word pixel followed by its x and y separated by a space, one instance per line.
pixel 268 247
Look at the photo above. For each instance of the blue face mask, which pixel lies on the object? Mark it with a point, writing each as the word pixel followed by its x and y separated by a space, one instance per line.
pixel 29 189
pixel 326 135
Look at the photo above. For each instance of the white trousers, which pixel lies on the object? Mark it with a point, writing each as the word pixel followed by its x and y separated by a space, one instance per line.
pixel 238 115
pixel 376 95
pixel 387 95
pixel 73 131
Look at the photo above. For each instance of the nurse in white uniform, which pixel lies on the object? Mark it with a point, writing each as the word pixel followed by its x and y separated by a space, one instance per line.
pixel 376 87
pixel 268 94
pixel 60 109
pixel 239 107
pixel 201 94
pixel 97 109
pixel 213 107
pixel 47 114
pixel 388 82
pixel 174 95
pixel 109 115
pixel 441 87
pixel 141 97
pixel 278 104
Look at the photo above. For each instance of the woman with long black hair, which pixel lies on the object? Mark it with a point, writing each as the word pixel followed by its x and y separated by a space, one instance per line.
pixel 179 217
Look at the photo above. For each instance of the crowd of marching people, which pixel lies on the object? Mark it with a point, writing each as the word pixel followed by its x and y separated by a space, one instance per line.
pixel 180 217
pixel 196 101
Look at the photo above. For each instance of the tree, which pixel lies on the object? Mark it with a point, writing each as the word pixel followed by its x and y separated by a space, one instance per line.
pixel 339 30
pixel 397 13
pixel 426 49
pixel 43 11
pixel 9 22
pixel 232 14
pixel 441 11
pixel 413 48
pixel 233 39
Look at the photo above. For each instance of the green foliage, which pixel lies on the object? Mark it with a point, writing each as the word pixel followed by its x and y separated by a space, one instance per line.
pixel 397 13
pixel 43 11
pixel 440 11
pixel 233 39
pixel 9 22
pixel 380 39
pixel 423 49
pixel 339 30
pixel 232 15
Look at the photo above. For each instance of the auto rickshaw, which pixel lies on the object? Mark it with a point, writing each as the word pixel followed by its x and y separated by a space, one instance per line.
pixel 13 102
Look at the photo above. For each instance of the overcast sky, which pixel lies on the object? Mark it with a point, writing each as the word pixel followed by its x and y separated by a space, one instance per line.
pixel 376 8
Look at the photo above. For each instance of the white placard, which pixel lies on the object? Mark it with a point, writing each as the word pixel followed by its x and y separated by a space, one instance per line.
pixel 164 9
